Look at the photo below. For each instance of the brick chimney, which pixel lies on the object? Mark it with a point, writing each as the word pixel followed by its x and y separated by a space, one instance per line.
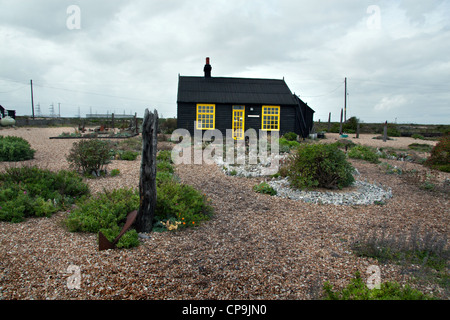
pixel 207 69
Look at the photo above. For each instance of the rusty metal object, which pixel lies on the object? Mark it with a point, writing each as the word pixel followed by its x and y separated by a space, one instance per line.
pixel 105 244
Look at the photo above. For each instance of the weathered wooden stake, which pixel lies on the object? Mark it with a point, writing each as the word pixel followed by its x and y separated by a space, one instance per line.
pixel 385 132
pixel 329 122
pixel 357 130
pixel 147 181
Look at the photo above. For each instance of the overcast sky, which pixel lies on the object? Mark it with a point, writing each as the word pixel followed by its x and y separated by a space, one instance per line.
pixel 125 56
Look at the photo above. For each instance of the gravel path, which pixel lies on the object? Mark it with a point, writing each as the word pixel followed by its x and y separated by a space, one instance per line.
pixel 255 247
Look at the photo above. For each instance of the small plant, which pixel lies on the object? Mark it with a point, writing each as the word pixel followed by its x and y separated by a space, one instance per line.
pixel 390 169
pixel 130 238
pixel 319 165
pixel 421 147
pixel 358 290
pixel 290 136
pixel 418 136
pixel 287 145
pixel 90 156
pixel 429 250
pixel 440 155
pixel 265 188
pixel 164 166
pixel 106 210
pixel 164 155
pixel 115 172
pixel 15 149
pixel 364 153
pixel 129 155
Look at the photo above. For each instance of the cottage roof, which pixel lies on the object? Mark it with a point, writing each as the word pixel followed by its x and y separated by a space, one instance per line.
pixel 234 91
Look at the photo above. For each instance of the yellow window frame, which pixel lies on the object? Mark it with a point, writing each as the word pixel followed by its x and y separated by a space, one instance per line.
pixel 206 116
pixel 270 118
pixel 238 122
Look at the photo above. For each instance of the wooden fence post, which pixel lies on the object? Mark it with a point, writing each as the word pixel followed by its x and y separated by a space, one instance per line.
pixel 147 181
pixel 385 132
pixel 357 130
pixel 329 122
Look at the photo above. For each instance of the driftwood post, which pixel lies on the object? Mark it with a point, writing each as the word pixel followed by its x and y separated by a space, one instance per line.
pixel 329 122
pixel 385 132
pixel 357 130
pixel 147 181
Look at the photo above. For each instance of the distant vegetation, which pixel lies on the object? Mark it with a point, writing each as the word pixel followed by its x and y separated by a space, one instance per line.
pixel 417 131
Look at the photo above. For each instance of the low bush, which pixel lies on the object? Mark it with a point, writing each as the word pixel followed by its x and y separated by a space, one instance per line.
pixel 129 155
pixel 164 166
pixel 129 239
pixel 164 155
pixel 319 165
pixel 265 188
pixel 290 136
pixel 15 149
pixel 429 250
pixel 364 153
pixel 103 211
pixel 90 156
pixel 287 145
pixel 418 136
pixel 34 192
pixel 421 147
pixel 358 290
pixel 440 155
pixel 182 203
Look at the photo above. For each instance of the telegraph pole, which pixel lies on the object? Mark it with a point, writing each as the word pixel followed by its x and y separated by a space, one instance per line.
pixel 32 98
pixel 345 102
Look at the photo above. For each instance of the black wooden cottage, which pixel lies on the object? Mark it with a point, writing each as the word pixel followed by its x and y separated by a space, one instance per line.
pixel 208 103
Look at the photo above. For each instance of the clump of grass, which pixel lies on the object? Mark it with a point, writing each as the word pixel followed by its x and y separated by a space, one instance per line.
pixel 364 153
pixel 358 290
pixel 421 147
pixel 265 188
pixel 429 250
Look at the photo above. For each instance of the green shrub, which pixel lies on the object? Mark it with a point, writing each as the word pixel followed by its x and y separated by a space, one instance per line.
pixel 358 290
pixel 319 165
pixel 90 155
pixel 15 149
pixel 417 136
pixel 290 136
pixel 421 147
pixel 265 188
pixel 164 166
pixel 287 145
pixel 183 203
pixel 440 155
pixel 106 210
pixel 364 153
pixel 115 172
pixel 129 239
pixel 129 155
pixel 33 192
pixel 393 131
pixel 164 155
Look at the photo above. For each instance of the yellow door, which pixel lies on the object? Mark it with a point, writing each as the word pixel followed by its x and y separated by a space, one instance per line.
pixel 238 122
